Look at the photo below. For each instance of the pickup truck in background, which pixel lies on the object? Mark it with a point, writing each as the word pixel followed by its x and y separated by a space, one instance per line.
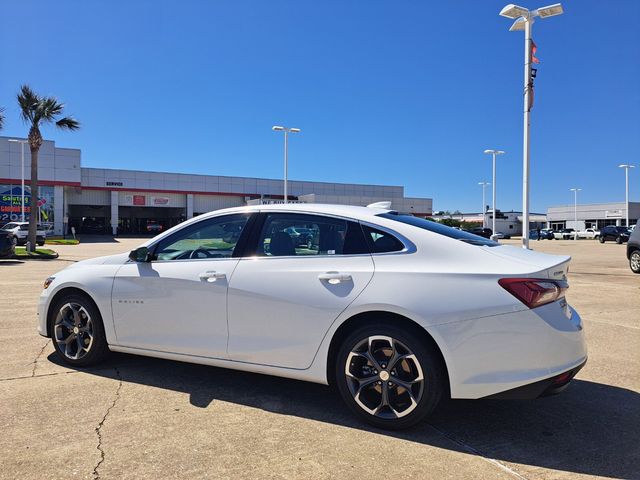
pixel 590 233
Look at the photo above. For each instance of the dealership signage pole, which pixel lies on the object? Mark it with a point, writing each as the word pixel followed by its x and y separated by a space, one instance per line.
pixel 484 203
pixel 626 167
pixel 494 153
pixel 286 131
pixel 575 212
pixel 21 142
pixel 524 21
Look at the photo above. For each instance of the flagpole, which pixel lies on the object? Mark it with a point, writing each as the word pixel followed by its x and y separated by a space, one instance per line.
pixel 525 144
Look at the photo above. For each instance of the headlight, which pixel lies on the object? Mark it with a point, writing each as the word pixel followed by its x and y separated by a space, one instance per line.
pixel 48 281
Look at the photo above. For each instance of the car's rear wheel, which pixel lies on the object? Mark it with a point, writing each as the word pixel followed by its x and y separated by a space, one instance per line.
pixel 388 377
pixel 634 261
pixel 601 239
pixel 77 331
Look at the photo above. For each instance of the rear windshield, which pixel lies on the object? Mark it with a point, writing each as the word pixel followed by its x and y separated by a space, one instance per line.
pixel 440 229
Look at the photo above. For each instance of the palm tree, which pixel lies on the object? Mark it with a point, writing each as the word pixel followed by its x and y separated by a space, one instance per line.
pixel 1 118
pixel 37 111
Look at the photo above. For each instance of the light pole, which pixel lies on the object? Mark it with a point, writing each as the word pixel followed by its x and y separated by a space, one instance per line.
pixel 484 202
pixel 494 153
pixel 286 131
pixel 626 167
pixel 524 21
pixel 575 211
pixel 22 143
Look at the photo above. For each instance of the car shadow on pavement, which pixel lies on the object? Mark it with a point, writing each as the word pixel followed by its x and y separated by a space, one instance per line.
pixel 591 428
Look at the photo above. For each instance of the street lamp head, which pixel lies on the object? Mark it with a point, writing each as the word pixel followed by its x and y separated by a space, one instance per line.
pixel 294 130
pixel 496 152
pixel 549 11
pixel 277 128
pixel 518 25
pixel 575 189
pixel 513 11
pixel 484 183
pixel 624 165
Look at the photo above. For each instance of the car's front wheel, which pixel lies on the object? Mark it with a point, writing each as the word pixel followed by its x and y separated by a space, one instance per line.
pixel 388 377
pixel 77 331
pixel 634 261
pixel 619 240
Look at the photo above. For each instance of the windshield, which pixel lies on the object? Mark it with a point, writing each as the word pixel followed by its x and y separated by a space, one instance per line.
pixel 10 226
pixel 440 229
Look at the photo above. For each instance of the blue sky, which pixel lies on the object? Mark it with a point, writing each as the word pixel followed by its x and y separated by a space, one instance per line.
pixel 406 93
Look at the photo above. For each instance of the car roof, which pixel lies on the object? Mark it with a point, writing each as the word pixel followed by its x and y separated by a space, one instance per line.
pixel 350 211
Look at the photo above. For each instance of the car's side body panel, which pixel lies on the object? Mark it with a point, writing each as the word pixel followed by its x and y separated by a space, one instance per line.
pixel 280 307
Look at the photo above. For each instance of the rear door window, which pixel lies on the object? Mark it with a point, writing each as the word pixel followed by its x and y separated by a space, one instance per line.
pixel 296 234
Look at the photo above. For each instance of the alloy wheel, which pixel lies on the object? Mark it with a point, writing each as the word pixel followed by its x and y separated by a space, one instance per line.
pixel 384 377
pixel 73 331
pixel 634 261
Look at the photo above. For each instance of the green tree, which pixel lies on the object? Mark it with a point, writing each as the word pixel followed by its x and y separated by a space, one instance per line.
pixel 37 111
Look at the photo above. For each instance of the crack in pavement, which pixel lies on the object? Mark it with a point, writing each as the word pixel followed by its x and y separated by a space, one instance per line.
pixel 98 429
pixel 478 453
pixel 35 361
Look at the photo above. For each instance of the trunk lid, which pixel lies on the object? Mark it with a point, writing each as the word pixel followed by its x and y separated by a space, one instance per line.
pixel 555 267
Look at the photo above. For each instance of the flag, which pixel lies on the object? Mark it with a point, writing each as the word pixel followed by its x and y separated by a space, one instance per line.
pixel 534 48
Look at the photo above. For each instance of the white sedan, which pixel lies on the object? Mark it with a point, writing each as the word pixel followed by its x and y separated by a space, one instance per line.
pixel 396 311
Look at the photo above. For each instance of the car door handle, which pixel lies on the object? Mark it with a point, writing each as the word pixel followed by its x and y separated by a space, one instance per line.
pixel 334 277
pixel 211 276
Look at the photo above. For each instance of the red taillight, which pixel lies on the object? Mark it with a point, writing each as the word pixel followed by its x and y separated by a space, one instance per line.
pixel 534 292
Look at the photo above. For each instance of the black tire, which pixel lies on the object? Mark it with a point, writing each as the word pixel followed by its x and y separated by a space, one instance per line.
pixel 41 244
pixel 97 345
pixel 619 240
pixel 429 367
pixel 601 239
pixel 634 261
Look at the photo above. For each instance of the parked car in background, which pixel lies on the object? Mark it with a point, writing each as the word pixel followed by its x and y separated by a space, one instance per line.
pixel 633 249
pixel 564 234
pixel 481 231
pixel 21 231
pixel 590 233
pixel 7 244
pixel 617 234
pixel 154 227
pixel 501 236
pixel 544 234
pixel 301 236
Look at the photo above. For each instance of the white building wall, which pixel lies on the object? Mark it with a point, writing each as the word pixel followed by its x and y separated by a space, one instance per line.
pixel 208 203
pixel 77 196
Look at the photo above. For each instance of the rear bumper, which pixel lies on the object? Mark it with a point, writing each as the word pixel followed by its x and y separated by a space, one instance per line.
pixel 497 354
pixel 541 388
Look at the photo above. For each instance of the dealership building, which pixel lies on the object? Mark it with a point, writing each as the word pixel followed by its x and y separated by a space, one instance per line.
pixel 102 200
pixel 595 215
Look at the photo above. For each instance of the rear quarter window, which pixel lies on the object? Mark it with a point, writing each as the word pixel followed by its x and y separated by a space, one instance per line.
pixel 440 229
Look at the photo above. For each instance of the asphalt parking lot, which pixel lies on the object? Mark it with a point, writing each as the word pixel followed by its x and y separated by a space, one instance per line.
pixel 138 417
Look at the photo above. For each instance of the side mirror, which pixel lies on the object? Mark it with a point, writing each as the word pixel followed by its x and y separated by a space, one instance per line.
pixel 140 254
